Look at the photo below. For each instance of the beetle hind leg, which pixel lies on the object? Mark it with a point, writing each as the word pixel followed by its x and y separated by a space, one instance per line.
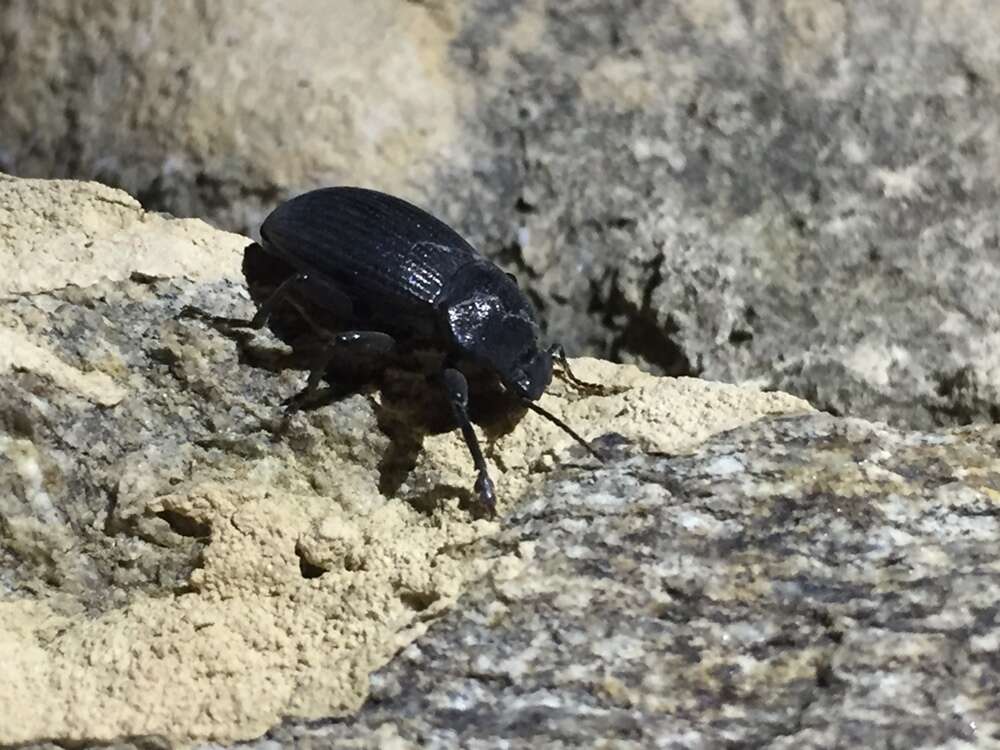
pixel 264 311
pixel 279 295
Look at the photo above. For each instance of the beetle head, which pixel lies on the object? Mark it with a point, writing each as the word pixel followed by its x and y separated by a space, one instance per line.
pixel 530 378
pixel 491 321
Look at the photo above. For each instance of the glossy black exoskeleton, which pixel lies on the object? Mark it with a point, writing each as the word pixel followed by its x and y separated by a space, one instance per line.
pixel 376 272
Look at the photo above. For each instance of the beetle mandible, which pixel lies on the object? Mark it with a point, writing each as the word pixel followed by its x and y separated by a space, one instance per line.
pixel 383 272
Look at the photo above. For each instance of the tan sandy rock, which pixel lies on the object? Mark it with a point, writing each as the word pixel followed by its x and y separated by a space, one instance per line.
pixel 59 232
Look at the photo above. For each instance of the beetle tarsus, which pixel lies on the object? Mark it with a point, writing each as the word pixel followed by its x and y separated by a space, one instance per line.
pixel 597 389
pixel 559 354
pixel 219 322
pixel 487 495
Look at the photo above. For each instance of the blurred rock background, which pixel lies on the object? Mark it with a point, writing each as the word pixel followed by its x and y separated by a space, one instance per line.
pixel 795 193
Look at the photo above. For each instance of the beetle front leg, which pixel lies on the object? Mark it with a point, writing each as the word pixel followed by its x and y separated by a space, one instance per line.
pixel 457 389
pixel 559 354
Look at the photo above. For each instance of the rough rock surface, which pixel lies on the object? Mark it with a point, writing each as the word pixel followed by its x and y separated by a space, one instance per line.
pixel 794 192
pixel 806 582
pixel 61 233
pixel 797 193
pixel 178 559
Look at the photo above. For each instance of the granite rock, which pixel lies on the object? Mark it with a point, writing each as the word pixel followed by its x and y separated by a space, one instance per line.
pixel 182 561
pixel 808 582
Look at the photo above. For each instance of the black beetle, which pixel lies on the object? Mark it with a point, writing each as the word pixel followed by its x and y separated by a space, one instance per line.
pixel 369 270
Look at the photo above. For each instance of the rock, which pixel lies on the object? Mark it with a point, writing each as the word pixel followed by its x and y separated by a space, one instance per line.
pixel 62 233
pixel 181 561
pixel 796 194
pixel 215 110
pixel 806 582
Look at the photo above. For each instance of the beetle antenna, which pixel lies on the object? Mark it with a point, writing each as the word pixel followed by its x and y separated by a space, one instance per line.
pixel 564 427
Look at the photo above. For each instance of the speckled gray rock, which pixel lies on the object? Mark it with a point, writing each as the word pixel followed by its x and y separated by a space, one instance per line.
pixel 797 193
pixel 800 583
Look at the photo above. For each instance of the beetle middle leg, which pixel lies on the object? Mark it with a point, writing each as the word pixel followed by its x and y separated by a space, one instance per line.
pixel 457 389
pixel 372 342
pixel 298 285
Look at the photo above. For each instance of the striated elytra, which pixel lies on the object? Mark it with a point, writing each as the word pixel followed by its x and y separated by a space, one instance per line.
pixel 382 272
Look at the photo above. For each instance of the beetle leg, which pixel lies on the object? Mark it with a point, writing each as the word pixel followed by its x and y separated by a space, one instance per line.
pixel 375 342
pixel 557 351
pixel 277 297
pixel 457 389
pixel 264 311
